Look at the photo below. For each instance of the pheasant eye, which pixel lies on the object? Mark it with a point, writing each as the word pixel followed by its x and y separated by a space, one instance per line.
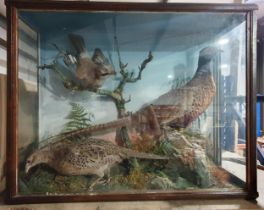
pixel 28 161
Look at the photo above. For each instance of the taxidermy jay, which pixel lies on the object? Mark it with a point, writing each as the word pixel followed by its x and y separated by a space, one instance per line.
pixel 91 72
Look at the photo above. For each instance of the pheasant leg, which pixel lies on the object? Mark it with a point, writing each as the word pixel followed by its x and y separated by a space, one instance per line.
pixel 100 180
pixel 95 181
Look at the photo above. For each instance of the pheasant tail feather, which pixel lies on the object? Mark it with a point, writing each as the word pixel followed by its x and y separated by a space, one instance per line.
pixel 132 153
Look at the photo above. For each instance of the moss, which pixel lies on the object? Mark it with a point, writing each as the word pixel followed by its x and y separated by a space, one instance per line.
pixel 186 171
pixel 46 181
pixel 40 182
pixel 136 179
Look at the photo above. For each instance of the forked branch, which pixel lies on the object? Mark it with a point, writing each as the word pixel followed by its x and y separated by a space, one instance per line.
pixel 141 68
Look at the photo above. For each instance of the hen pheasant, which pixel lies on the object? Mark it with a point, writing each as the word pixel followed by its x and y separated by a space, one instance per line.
pixel 178 108
pixel 90 157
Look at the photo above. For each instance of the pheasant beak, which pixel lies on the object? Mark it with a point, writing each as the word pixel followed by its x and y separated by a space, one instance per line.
pixel 27 168
pixel 29 164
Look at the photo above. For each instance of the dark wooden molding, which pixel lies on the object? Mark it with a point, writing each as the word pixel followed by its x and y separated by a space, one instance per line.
pixel 13 196
pixel 12 102
pixel 118 6
pixel 251 166
pixel 155 196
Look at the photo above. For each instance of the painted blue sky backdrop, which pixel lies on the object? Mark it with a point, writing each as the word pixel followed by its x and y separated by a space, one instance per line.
pixel 174 39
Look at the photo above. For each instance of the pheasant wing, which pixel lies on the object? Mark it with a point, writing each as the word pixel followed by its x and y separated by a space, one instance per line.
pixel 93 156
pixel 174 104
pixel 99 58
pixel 78 43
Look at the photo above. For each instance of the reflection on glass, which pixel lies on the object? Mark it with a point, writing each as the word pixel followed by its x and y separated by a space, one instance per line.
pixel 131 101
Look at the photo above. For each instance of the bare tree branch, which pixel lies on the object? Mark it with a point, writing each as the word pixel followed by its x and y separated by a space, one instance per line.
pixel 141 68
pixel 128 100
pixel 122 66
pixel 111 94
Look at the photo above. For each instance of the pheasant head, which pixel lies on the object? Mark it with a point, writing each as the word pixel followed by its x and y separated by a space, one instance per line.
pixel 207 54
pixel 38 157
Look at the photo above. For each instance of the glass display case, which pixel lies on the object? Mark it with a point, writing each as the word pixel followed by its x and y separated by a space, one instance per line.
pixel 130 101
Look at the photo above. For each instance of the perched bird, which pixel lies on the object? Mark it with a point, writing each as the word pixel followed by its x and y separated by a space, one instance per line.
pixel 179 107
pixel 89 157
pixel 91 72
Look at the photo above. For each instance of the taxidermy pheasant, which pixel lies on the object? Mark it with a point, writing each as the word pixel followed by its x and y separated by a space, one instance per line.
pixel 91 72
pixel 177 108
pixel 90 157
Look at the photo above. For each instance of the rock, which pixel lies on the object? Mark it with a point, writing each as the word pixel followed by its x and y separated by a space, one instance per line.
pixel 162 183
pixel 202 170
pixel 190 159
pixel 184 183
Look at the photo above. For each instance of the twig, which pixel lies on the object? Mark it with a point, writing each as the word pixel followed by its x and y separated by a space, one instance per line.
pixel 54 67
pixel 128 100
pixel 114 95
pixel 141 68
pixel 122 66
pixel 67 83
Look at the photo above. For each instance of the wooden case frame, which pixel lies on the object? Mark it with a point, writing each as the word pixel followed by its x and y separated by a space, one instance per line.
pixel 12 196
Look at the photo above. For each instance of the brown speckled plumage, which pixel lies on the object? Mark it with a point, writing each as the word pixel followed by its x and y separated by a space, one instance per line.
pixel 178 108
pixel 90 157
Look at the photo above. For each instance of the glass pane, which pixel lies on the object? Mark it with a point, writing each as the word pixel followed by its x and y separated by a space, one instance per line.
pixel 168 86
pixel 28 84
pixel 233 107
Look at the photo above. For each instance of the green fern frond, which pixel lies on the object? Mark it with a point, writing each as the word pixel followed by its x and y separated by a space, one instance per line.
pixel 78 118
